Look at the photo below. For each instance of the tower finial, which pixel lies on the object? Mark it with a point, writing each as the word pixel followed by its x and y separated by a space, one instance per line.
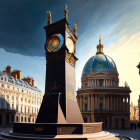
pixel 75 29
pixel 66 12
pixel 100 38
pixel 99 46
pixel 49 17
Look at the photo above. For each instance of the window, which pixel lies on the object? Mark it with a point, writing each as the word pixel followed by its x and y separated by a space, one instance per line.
pixel 33 120
pixel 2 78
pixel 7 96
pixel 25 119
pixel 8 86
pixel 101 106
pixel 8 106
pixel 13 98
pixel 17 108
pixel 85 119
pixel 85 107
pixel 101 82
pixel 28 119
pixel 13 88
pixel 12 106
pixel 21 119
pixel 2 85
pixel 86 98
pixel 101 98
pixel 17 119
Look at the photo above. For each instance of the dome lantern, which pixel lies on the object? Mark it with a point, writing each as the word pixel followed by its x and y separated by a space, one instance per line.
pixel 99 46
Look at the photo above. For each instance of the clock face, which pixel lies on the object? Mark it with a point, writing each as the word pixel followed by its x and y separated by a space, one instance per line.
pixel 54 43
pixel 70 45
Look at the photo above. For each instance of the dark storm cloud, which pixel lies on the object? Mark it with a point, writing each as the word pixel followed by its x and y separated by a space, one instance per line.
pixel 21 21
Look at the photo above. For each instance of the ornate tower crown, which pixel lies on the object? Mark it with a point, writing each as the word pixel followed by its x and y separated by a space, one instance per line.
pixel 99 46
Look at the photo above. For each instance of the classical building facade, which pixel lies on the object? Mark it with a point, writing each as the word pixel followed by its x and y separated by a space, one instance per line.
pixel 138 66
pixel 134 113
pixel 100 98
pixel 20 100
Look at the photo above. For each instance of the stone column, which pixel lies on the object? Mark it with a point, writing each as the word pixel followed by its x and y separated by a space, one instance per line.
pixel 95 101
pixel 91 102
pixel 116 100
pixel 111 105
pixel 88 102
pixel 80 102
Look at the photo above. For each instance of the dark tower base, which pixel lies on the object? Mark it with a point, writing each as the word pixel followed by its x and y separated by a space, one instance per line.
pixel 56 129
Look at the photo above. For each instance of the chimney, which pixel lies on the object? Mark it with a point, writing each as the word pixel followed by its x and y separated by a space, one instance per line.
pixel 29 80
pixel 14 75
pixel 17 74
pixel 8 69
pixel 33 82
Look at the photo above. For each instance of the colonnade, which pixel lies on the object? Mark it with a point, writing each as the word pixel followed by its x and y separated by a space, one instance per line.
pixel 96 83
pixel 114 103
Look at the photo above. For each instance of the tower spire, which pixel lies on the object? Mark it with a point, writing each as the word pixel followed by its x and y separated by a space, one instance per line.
pixel 100 46
pixel 66 12
pixel 100 38
pixel 75 29
pixel 49 17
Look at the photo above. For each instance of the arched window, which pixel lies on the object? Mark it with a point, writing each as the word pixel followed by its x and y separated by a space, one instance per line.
pixel 21 119
pixel 28 119
pixel 85 119
pixel 25 119
pixel 17 119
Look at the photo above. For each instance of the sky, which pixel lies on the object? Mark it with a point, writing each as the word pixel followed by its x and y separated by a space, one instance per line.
pixel 22 36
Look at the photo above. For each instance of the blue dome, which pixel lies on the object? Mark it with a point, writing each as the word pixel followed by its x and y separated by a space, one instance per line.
pixel 99 62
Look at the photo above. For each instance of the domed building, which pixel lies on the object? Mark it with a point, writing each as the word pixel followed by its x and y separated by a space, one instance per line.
pixel 100 98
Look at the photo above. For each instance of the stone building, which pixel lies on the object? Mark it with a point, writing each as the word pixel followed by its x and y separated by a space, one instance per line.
pixel 100 97
pixel 19 99
pixel 139 107
pixel 134 113
pixel 138 66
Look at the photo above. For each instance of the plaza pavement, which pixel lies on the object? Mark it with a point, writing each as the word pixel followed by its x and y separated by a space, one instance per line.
pixel 134 133
pixel 129 133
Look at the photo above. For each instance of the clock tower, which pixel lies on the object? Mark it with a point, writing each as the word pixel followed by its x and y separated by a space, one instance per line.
pixel 59 104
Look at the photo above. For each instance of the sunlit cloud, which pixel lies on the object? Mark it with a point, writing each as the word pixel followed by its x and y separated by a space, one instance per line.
pixel 126 54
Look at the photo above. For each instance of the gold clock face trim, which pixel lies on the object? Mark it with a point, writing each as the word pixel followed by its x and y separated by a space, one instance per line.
pixel 54 43
pixel 70 45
